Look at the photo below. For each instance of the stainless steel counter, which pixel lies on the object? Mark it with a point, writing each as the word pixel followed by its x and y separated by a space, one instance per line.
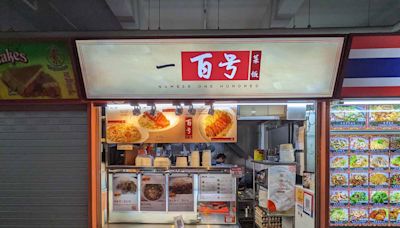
pixel 166 226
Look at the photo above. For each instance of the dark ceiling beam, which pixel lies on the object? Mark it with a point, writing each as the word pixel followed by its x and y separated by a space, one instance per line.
pixel 200 33
pixel 67 15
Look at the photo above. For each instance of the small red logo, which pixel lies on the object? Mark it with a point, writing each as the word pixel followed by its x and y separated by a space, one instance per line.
pixel 188 127
pixel 220 65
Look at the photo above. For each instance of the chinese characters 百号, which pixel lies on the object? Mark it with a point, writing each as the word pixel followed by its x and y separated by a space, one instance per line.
pixel 204 68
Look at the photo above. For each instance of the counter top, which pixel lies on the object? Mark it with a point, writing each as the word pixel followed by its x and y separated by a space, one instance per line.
pixel 274 163
pixel 166 226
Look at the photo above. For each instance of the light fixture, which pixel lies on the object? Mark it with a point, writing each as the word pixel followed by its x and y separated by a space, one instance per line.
pixel 211 110
pixel 198 104
pixel 223 104
pixel 191 110
pixel 178 110
pixel 153 109
pixel 136 110
pixel 118 105
pixel 164 105
pixel 354 102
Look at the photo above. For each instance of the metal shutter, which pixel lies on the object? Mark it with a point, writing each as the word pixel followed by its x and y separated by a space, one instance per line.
pixel 43 169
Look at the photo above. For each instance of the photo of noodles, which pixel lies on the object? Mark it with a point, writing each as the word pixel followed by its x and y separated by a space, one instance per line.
pixel 217 124
pixel 122 133
pixel 154 122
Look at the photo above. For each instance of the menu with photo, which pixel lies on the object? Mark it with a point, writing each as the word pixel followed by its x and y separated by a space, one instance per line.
pixel 153 193
pixel 125 192
pixel 180 188
pixel 165 126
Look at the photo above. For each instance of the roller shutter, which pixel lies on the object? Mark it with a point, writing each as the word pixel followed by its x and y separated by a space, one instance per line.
pixel 44 169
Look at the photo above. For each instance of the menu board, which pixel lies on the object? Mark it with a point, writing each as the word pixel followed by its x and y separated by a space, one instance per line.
pixel 364 180
pixel 153 193
pixel 36 70
pixel 348 116
pixel 180 188
pixel 125 192
pixel 165 126
pixel 384 116
pixel 217 187
pixel 365 117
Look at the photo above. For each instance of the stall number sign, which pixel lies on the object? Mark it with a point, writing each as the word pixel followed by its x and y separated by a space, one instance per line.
pixel 221 65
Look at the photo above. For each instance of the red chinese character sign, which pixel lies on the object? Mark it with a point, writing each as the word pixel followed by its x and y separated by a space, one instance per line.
pixel 218 68
pixel 215 65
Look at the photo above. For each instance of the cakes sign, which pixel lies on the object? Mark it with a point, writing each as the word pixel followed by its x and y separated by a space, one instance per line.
pixel 12 57
pixel 36 70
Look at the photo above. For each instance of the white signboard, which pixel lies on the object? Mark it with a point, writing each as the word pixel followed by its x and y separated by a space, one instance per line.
pixel 217 187
pixel 210 68
pixel 180 193
pixel 125 192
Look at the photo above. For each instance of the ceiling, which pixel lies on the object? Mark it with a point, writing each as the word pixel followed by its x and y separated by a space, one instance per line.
pixel 118 15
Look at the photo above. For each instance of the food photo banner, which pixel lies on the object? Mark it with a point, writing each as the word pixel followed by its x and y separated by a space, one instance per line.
pixel 36 70
pixel 165 126
pixel 210 68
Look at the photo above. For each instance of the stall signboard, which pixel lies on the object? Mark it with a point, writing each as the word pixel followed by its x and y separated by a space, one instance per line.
pixel 125 192
pixel 210 68
pixel 153 193
pixel 180 187
pixel 36 70
pixel 217 188
pixel 165 126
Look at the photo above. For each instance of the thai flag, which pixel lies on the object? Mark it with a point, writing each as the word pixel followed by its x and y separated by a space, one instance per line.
pixel 373 67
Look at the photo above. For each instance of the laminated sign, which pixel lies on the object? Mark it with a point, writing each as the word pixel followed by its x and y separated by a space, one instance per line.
pixel 36 70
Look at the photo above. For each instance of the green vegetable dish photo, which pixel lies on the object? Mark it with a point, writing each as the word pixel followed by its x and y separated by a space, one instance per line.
pixel 338 215
pixel 395 197
pixel 395 161
pixel 358 197
pixel 379 197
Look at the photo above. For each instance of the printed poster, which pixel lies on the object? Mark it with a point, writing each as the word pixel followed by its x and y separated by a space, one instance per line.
pixel 165 126
pixel 125 192
pixel 180 193
pixel 36 70
pixel 217 187
pixel 153 193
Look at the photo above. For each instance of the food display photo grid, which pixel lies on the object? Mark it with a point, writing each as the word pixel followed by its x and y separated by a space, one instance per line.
pixel 364 180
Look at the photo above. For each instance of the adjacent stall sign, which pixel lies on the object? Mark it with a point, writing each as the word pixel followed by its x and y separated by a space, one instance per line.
pixel 125 192
pixel 180 187
pixel 217 187
pixel 165 126
pixel 153 193
pixel 36 70
pixel 210 68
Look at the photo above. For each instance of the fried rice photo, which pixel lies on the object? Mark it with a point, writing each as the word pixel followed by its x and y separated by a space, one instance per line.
pixel 122 133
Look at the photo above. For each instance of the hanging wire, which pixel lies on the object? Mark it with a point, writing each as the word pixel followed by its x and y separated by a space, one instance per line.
pixel 294 20
pixel 159 15
pixel 309 14
pixel 218 15
pixel 369 11
pixel 148 15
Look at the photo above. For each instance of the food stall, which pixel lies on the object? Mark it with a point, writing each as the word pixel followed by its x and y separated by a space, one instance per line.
pixel 162 108
pixel 364 137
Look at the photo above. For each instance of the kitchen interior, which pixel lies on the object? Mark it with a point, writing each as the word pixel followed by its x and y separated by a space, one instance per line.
pixel 274 141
